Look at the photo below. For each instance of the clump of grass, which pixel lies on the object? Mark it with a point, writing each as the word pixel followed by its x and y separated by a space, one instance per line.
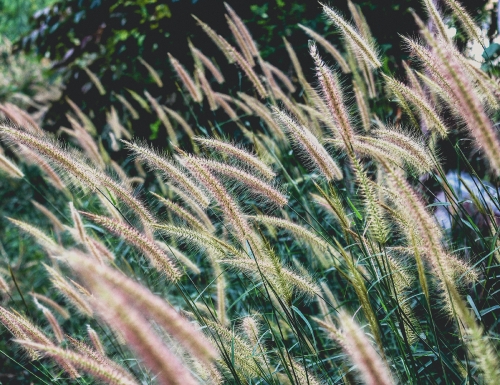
pixel 254 254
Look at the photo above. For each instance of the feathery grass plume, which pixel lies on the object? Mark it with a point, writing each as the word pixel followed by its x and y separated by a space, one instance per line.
pixel 207 90
pixel 396 146
pixel 438 92
pixel 56 223
pixel 96 341
pixel 180 212
pixel 281 76
pixel 186 79
pixel 377 223
pixel 20 118
pixel 182 122
pixel 251 328
pixel 69 292
pixel 364 111
pixel 77 223
pixel 240 40
pixel 142 242
pixel 152 72
pixel 143 301
pixel 419 103
pixel 328 47
pixel 225 106
pixel 180 257
pixel 487 89
pixel 139 99
pixel 4 286
pixel 431 63
pixel 134 114
pixel 299 231
pixel 194 207
pixel 414 83
pixel 32 157
pixel 464 18
pixel 262 112
pixel 247 69
pixel 82 236
pixel 54 305
pixel 363 48
pixel 232 212
pixel 301 283
pixel 87 123
pixel 9 320
pixel 139 335
pixel 221 293
pixel 409 147
pixel 174 174
pixel 437 20
pixel 372 368
pixel 99 250
pixel 471 109
pixel 85 141
pixel 114 144
pixel 8 167
pixel 477 341
pixel 295 61
pixel 56 328
pixel 416 86
pixel 247 362
pixel 97 82
pixel 310 147
pixel 260 187
pixel 250 43
pixel 402 101
pixel 94 354
pixel 172 136
pixel 202 240
pixel 22 328
pixel 367 73
pixel 359 20
pixel 332 202
pixel 91 352
pixel 320 116
pixel 236 152
pixel 368 146
pixel 41 238
pixel 120 173
pixel 423 231
pixel 207 63
pixel 219 41
pixel 300 373
pixel 87 175
pixel 333 97
pixel 102 372
pixel 242 106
